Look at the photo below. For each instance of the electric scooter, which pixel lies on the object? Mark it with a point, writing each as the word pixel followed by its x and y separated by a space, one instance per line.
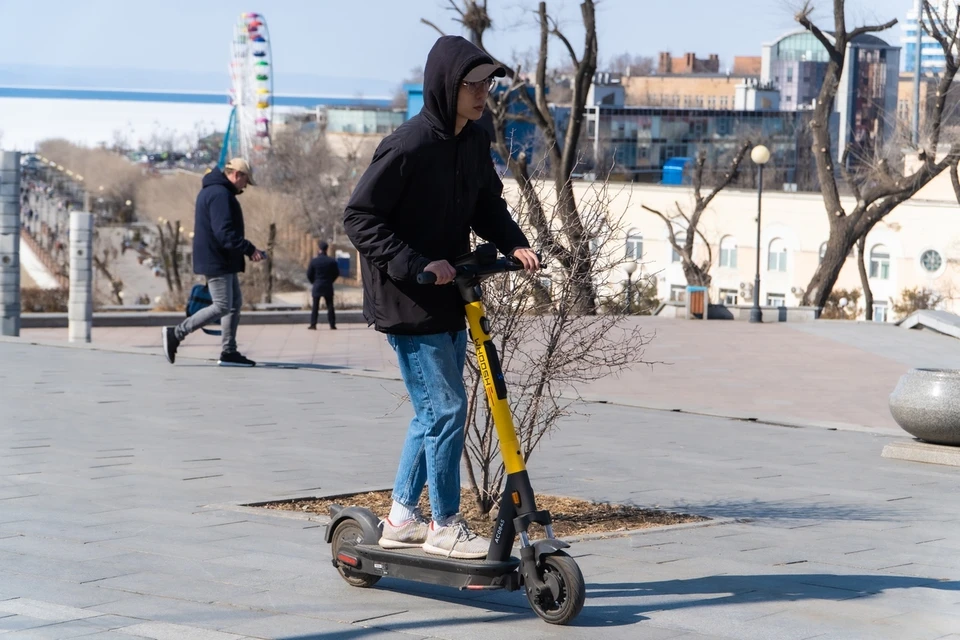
pixel 552 579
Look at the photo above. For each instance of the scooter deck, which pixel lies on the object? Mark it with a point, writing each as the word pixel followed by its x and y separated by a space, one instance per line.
pixel 416 556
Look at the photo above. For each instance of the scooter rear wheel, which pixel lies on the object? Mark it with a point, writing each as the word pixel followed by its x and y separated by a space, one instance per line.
pixel 568 591
pixel 346 536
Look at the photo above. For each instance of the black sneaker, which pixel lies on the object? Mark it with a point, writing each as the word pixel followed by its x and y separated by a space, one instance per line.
pixel 234 359
pixel 312 327
pixel 170 344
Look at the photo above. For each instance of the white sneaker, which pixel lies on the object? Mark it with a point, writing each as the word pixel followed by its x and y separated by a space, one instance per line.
pixel 406 535
pixel 456 541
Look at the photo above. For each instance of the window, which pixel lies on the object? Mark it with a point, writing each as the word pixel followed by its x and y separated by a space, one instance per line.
pixel 789 74
pixel 879 311
pixel 777 256
pixel 728 252
pixel 674 256
pixel 880 262
pixel 678 292
pixel 634 245
pixel 931 261
pixel 729 297
pixel 724 102
pixel 594 246
pixel 823 252
pixel 776 300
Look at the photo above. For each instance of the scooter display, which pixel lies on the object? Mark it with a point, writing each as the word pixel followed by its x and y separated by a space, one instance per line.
pixel 553 582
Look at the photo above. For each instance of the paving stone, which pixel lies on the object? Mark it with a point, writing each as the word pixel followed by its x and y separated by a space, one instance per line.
pixel 808 503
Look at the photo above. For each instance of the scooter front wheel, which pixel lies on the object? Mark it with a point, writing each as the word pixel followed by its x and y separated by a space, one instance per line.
pixel 348 535
pixel 566 593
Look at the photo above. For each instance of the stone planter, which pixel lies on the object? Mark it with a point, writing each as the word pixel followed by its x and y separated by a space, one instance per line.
pixel 926 404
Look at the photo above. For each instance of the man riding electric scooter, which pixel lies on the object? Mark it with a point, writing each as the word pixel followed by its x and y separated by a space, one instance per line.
pixel 430 183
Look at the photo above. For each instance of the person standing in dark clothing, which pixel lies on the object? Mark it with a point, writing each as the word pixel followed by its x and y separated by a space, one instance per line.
pixel 430 183
pixel 321 273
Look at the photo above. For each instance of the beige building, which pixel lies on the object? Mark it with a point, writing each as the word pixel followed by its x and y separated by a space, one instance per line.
pixel 918 245
pixel 689 91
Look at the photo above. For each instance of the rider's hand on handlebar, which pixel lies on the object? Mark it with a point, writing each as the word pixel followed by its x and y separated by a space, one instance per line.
pixel 527 257
pixel 443 270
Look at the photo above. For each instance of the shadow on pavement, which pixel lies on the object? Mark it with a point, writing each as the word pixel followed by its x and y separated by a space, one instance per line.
pixel 666 595
pixel 793 510
pixel 723 590
pixel 301 365
pixel 268 365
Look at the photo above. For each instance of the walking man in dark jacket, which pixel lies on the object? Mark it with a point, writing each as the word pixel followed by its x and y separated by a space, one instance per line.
pixel 321 273
pixel 218 253
pixel 429 184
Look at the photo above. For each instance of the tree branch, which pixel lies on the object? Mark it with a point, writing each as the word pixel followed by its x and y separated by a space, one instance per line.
pixel 731 175
pixel 430 24
pixel 672 237
pixel 803 17
pixel 573 54
pixel 854 186
pixel 955 180
pixel 859 31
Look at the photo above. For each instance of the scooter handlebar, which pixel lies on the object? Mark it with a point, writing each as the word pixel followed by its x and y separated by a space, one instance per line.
pixel 501 265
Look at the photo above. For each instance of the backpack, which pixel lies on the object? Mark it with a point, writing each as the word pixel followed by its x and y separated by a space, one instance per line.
pixel 200 299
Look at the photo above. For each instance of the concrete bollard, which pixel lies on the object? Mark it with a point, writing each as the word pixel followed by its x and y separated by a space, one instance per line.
pixel 9 243
pixel 80 307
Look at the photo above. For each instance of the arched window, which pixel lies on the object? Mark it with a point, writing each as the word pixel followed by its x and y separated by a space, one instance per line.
pixel 634 245
pixel 823 252
pixel 880 262
pixel 728 252
pixel 674 256
pixel 777 255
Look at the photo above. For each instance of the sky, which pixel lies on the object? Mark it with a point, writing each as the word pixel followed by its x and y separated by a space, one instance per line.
pixel 378 40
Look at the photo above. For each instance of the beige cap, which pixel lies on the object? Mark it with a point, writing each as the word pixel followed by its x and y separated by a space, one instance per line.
pixel 241 165
pixel 484 71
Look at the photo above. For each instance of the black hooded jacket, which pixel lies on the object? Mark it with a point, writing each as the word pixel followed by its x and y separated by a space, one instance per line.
pixel 418 200
pixel 218 242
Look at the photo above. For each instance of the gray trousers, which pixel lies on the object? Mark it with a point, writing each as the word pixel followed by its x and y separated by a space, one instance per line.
pixel 227 300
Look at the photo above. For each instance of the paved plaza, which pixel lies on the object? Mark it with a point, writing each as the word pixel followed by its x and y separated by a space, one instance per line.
pixel 123 479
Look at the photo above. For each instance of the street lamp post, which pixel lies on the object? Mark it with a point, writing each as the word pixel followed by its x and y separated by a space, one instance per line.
pixel 760 156
pixel 630 268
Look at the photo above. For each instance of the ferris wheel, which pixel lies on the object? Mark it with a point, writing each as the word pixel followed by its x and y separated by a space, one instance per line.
pixel 251 92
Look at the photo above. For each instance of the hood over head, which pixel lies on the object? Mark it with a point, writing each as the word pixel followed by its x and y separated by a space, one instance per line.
pixel 215 176
pixel 448 63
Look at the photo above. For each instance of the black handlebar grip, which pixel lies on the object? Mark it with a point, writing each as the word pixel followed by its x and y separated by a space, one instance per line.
pixel 426 277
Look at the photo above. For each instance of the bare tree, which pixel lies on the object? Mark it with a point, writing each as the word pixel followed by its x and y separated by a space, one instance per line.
pixel 305 167
pixel 565 241
pixel 916 299
pixel 103 254
pixel 881 189
pixel 842 305
pixel 864 278
pixel 698 274
pixel 170 239
pixel 630 64
pixel 547 354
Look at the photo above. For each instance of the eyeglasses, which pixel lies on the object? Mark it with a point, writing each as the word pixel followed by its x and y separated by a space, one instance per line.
pixel 481 86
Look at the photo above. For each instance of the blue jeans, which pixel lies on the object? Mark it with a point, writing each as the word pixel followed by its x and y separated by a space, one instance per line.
pixel 432 369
